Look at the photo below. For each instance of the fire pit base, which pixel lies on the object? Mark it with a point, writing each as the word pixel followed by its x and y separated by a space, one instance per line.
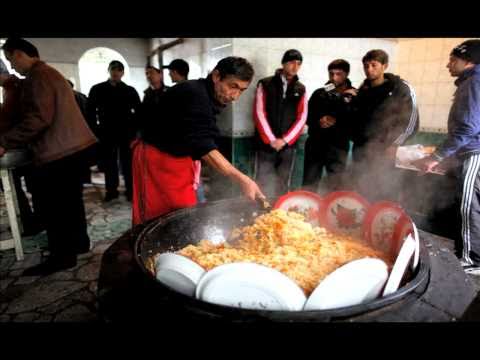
pixel 124 294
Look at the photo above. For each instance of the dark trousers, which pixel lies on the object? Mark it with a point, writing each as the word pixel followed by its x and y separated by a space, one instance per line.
pixel 330 156
pixel 274 170
pixel 30 220
pixel 58 192
pixel 109 157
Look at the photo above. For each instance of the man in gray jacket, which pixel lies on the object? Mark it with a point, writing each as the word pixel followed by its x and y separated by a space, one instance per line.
pixel 52 125
pixel 463 142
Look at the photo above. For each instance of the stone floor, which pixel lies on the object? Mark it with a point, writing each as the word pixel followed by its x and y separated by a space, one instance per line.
pixel 65 296
pixel 70 296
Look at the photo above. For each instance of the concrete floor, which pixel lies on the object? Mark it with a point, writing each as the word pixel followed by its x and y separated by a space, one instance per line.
pixel 70 296
pixel 65 296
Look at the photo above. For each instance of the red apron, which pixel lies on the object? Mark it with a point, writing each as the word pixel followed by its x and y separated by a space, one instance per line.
pixel 161 182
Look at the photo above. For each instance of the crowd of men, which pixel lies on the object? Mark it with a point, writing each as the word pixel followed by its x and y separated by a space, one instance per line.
pixel 160 142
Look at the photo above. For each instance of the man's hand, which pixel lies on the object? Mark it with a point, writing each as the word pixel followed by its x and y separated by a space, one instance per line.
pixel 218 162
pixel 426 165
pixel 250 188
pixel 391 152
pixel 327 121
pixel 352 92
pixel 2 151
pixel 278 144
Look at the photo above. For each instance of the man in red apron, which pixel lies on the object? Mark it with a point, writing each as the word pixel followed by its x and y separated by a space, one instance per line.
pixel 166 154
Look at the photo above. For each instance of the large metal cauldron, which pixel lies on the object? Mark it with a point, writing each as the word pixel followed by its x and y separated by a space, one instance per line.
pixel 215 220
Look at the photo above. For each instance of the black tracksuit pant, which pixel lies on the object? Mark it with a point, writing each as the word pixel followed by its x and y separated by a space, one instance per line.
pixel 469 188
pixel 274 171
pixel 320 154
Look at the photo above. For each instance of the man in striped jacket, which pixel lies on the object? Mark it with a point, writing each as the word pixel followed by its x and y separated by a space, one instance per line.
pixel 385 115
pixel 280 114
pixel 463 143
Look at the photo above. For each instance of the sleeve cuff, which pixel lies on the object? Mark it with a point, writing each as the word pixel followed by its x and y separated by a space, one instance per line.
pixel 437 157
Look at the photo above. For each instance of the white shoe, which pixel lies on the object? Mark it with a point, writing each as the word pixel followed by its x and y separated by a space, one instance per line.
pixel 472 270
pixel 464 263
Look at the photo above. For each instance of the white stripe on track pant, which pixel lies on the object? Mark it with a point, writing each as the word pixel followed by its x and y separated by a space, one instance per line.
pixel 470 210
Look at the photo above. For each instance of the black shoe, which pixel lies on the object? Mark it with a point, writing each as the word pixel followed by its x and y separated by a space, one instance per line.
pixel 32 230
pixel 50 266
pixel 109 196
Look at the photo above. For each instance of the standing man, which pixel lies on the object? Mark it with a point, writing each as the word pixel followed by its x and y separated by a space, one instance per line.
pixel 164 155
pixel 153 95
pixel 463 143
pixel 386 115
pixel 280 113
pixel 53 126
pixel 178 70
pixel 82 102
pixel 10 115
pixel 328 129
pixel 114 106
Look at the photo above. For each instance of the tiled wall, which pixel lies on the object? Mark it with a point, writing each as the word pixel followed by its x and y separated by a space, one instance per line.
pixel 266 54
pixel 422 62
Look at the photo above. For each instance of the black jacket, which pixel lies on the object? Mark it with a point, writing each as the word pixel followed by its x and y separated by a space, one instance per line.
pixel 114 109
pixel 331 103
pixel 385 115
pixel 188 126
pixel 281 112
pixel 151 104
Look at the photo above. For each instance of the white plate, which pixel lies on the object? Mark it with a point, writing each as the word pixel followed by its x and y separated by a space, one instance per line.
pixel 416 256
pixel 351 284
pixel 178 272
pixel 401 264
pixel 250 286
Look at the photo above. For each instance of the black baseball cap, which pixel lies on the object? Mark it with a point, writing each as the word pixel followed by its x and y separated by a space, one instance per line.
pixel 468 50
pixel 179 65
pixel 115 64
pixel 291 55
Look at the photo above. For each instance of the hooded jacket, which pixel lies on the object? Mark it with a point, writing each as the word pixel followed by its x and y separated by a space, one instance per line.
pixel 464 118
pixel 385 115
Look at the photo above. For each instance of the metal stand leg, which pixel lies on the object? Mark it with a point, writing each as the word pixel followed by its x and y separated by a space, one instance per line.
pixel 15 201
pixel 12 210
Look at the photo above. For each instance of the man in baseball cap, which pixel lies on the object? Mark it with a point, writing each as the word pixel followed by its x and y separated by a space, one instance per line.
pixel 468 50
pixel 280 113
pixel 178 70
pixel 463 145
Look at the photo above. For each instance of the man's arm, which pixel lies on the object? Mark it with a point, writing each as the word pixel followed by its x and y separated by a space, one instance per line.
pixel 218 162
pixel 408 117
pixel 38 111
pixel 296 129
pixel 467 126
pixel 92 103
pixel 260 117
